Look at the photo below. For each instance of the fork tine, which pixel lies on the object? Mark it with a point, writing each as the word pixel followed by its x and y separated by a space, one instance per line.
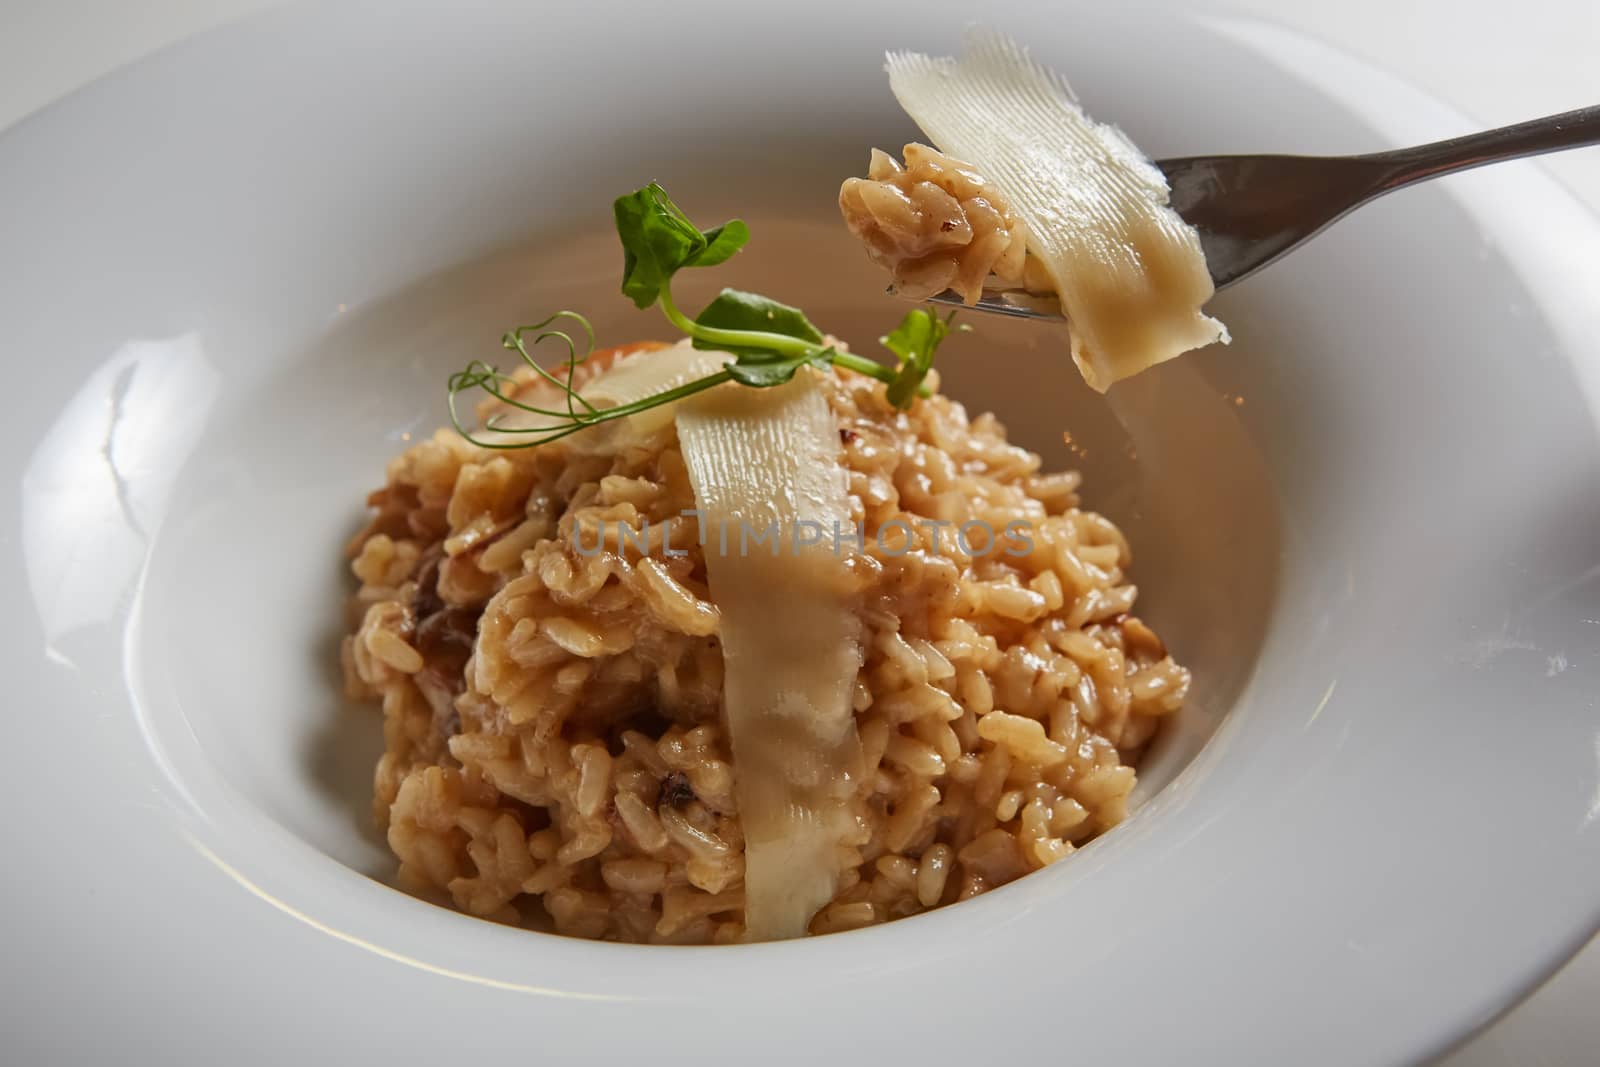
pixel 1017 305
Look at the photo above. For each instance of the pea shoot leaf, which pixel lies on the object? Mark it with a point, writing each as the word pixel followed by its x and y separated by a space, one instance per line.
pixel 658 240
pixel 764 373
pixel 743 312
pixel 914 342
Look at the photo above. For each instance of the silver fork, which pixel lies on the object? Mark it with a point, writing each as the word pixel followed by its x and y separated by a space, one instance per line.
pixel 1249 210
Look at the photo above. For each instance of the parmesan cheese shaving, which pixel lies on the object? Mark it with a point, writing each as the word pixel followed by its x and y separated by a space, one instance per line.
pixel 1129 272
pixel 633 377
pixel 649 373
pixel 765 463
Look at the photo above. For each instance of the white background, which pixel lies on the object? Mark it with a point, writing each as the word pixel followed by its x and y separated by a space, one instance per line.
pixel 1495 62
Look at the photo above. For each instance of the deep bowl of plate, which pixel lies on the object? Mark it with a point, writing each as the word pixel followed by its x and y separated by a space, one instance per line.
pixel 244 268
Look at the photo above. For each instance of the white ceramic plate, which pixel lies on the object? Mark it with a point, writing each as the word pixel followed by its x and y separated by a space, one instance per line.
pixel 234 276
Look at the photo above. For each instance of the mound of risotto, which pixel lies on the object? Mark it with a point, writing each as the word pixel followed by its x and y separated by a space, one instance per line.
pixel 609 712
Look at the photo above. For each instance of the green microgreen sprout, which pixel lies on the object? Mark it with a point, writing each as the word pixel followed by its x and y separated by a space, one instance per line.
pixel 769 341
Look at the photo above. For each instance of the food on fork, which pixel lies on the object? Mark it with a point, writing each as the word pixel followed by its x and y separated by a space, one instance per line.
pixel 1027 192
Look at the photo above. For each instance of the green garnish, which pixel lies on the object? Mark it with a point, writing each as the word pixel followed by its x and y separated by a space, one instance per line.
pixel 914 341
pixel 658 240
pixel 770 341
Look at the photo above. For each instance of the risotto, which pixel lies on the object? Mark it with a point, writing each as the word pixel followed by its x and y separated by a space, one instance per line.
pixel 538 628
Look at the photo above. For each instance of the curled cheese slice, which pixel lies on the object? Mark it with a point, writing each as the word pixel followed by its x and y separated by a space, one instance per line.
pixel 1128 270
pixel 764 463
pixel 633 377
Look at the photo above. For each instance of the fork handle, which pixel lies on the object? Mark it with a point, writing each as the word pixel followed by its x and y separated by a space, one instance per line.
pixel 1570 129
